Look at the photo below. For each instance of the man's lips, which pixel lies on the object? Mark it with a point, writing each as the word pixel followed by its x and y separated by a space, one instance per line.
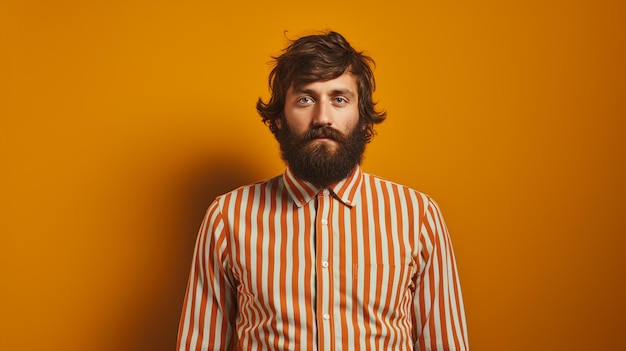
pixel 323 139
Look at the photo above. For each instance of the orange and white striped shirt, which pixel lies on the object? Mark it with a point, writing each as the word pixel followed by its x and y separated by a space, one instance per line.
pixel 365 264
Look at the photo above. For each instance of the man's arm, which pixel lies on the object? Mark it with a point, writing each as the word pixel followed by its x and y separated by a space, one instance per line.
pixel 438 313
pixel 209 311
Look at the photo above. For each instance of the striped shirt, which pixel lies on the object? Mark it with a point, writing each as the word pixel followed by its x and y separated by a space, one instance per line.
pixel 365 264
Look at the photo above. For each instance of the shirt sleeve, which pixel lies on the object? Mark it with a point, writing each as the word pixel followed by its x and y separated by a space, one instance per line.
pixel 209 310
pixel 438 312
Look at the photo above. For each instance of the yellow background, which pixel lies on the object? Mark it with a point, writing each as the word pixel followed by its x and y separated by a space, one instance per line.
pixel 121 120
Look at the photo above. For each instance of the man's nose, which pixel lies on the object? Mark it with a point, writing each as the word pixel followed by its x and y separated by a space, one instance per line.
pixel 322 113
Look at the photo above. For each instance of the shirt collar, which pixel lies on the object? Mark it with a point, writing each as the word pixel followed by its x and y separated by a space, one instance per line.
pixel 345 190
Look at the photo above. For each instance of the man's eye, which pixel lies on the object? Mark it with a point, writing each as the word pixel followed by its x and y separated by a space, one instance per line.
pixel 341 100
pixel 305 100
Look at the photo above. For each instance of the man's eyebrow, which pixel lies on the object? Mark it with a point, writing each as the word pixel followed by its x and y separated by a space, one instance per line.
pixel 300 90
pixel 347 92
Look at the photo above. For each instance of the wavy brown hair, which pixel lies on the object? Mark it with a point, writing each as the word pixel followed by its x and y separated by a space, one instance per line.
pixel 320 57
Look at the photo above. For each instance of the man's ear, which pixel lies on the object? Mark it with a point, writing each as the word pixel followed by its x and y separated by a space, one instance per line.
pixel 279 123
pixel 363 124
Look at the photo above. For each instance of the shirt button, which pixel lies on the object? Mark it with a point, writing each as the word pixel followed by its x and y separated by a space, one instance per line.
pixel 324 222
pixel 325 264
pixel 325 192
pixel 326 316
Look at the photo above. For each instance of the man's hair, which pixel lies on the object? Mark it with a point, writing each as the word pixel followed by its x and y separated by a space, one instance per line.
pixel 320 57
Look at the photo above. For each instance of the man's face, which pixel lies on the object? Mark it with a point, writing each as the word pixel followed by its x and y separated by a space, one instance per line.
pixel 320 135
pixel 331 103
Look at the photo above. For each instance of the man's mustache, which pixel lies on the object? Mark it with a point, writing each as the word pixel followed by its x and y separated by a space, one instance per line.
pixel 323 132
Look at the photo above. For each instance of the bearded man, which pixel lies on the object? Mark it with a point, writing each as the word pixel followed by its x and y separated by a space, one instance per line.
pixel 324 256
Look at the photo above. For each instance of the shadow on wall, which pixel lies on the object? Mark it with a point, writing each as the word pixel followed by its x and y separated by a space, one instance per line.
pixel 154 319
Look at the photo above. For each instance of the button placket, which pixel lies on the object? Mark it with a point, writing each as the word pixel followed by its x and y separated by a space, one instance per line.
pixel 324 252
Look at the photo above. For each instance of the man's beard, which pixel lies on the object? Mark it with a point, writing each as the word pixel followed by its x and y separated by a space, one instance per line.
pixel 318 162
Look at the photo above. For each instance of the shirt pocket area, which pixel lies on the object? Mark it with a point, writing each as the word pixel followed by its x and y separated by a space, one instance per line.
pixel 388 287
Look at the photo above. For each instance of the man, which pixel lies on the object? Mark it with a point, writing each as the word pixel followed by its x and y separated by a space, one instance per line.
pixel 324 256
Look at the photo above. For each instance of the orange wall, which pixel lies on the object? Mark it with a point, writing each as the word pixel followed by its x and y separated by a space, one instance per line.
pixel 120 121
